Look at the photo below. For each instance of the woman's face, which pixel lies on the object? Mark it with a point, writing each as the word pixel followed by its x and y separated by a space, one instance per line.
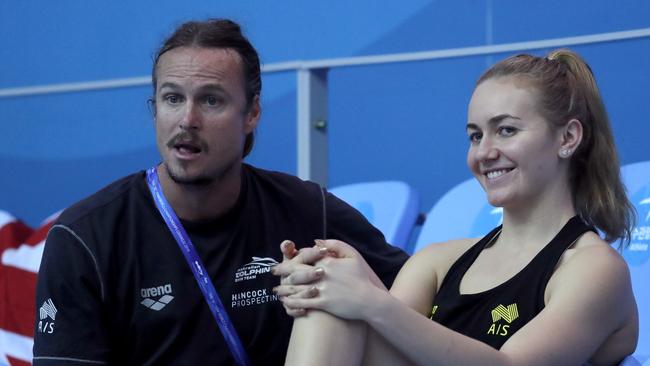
pixel 513 149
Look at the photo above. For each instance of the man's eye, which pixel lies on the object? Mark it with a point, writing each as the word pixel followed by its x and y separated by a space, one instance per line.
pixel 211 100
pixel 173 99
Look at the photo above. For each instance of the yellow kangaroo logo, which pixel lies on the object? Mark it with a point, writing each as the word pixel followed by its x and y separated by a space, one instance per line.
pixel 508 314
pixel 433 311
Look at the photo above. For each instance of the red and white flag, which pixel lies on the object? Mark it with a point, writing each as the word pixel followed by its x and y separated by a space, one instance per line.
pixel 21 249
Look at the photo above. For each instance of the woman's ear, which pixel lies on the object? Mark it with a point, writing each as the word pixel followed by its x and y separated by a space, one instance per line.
pixel 571 138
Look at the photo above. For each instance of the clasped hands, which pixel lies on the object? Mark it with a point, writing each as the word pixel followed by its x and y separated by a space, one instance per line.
pixel 330 276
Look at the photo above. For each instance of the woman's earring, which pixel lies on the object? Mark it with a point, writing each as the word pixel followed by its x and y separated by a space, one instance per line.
pixel 565 153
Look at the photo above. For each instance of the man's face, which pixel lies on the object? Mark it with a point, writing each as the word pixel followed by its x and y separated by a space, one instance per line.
pixel 201 114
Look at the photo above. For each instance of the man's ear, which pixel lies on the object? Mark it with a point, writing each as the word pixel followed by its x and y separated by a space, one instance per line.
pixel 253 115
pixel 151 105
pixel 571 138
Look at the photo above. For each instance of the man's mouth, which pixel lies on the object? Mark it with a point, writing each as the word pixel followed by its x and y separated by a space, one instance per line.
pixel 187 148
pixel 187 143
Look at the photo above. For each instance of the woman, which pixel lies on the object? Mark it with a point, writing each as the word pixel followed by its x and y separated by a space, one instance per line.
pixel 542 289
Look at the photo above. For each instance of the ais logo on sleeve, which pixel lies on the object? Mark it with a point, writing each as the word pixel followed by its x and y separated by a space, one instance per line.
pixel 47 315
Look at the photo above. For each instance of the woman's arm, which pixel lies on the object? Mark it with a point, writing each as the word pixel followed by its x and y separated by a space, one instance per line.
pixel 416 286
pixel 317 338
pixel 577 320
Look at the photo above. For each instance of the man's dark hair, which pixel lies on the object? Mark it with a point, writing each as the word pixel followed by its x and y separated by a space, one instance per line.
pixel 218 33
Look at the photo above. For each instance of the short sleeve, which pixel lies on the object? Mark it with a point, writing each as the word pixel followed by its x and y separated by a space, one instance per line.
pixel 71 326
pixel 347 224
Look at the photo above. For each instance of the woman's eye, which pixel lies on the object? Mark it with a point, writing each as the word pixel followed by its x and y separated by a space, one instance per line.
pixel 506 131
pixel 475 137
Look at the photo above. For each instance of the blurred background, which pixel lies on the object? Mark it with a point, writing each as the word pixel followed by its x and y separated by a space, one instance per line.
pixel 397 121
pixel 403 121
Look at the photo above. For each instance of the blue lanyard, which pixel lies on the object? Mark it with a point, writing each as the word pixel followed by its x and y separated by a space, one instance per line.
pixel 201 275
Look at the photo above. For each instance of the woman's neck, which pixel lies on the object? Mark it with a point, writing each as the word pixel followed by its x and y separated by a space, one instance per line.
pixel 536 223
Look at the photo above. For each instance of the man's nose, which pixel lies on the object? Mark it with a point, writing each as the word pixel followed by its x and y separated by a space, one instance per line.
pixel 191 117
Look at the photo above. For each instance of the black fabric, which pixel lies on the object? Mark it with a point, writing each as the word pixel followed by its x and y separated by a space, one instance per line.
pixel 494 315
pixel 108 254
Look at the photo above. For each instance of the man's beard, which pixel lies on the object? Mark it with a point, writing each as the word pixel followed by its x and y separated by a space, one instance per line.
pixel 198 182
pixel 192 138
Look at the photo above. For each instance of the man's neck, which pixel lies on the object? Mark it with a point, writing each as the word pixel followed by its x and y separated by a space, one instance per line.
pixel 202 202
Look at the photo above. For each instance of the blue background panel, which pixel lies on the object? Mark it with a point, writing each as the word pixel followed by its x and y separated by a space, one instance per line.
pixel 398 121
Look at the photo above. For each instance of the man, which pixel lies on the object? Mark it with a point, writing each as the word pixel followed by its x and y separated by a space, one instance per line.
pixel 114 285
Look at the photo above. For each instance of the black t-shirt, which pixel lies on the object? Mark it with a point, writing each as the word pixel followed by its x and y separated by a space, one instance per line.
pixel 114 288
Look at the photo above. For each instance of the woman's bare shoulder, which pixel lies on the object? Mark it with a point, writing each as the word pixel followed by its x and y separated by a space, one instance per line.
pixel 451 248
pixel 437 258
pixel 599 273
pixel 591 249
pixel 419 279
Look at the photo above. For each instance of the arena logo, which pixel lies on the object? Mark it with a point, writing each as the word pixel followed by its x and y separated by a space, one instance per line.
pixel 164 292
pixel 637 253
pixel 259 265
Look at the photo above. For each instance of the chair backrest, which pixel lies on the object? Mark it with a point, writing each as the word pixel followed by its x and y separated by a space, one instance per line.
pixel 636 177
pixel 391 206
pixel 463 212
pixel 630 361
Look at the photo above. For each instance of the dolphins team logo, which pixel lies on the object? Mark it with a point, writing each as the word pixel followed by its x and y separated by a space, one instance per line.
pixel 259 266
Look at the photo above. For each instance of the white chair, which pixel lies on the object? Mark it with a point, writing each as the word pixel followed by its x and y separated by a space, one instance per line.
pixel 462 212
pixel 636 178
pixel 391 206
pixel 631 361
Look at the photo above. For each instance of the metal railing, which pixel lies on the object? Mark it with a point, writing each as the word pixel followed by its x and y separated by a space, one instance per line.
pixel 312 87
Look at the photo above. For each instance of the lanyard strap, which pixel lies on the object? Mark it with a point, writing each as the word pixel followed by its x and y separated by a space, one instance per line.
pixel 200 274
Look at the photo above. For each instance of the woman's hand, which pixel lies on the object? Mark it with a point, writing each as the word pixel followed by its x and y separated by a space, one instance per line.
pixel 344 285
pixel 298 273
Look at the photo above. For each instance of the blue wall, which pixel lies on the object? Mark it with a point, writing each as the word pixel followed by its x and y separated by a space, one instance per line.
pixel 402 121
